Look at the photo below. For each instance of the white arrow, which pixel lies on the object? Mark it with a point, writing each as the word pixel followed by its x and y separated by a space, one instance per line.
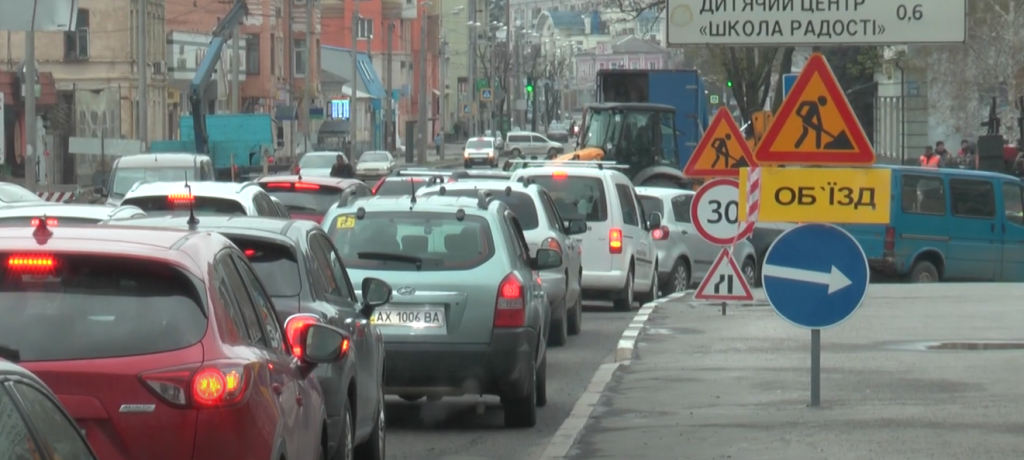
pixel 835 279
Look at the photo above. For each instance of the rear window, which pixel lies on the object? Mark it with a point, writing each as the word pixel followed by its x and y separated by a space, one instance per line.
pixel 480 145
pixel 275 264
pixel 652 204
pixel 16 194
pixel 68 307
pixel 312 198
pixel 577 198
pixel 401 186
pixel 125 178
pixel 437 241
pixel 203 205
pixel 520 203
pixel 318 161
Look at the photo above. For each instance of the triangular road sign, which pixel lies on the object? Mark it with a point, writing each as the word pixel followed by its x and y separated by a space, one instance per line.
pixel 724 281
pixel 722 150
pixel 815 124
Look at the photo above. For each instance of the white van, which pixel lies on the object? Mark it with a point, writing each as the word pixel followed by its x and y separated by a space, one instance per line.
pixel 619 258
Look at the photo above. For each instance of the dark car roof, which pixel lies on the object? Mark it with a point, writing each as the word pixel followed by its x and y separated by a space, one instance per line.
pixel 236 225
pixel 318 180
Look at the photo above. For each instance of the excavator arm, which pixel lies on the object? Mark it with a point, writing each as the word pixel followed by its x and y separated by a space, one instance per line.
pixel 204 72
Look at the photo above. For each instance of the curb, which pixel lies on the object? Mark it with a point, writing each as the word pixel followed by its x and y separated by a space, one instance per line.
pixel 567 434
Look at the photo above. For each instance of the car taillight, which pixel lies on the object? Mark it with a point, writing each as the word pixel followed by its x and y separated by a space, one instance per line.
pixel 31 263
pixel 50 222
pixel 890 239
pixel 279 185
pixel 660 233
pixel 249 252
pixel 305 186
pixel 615 241
pixel 213 384
pixel 180 197
pixel 559 175
pixel 295 331
pixel 377 185
pixel 551 243
pixel 510 306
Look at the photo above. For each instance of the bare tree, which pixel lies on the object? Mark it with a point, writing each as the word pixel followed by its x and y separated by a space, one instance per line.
pixel 494 64
pixel 554 77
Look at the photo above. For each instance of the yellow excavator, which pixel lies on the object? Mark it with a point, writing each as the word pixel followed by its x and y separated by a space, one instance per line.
pixel 754 130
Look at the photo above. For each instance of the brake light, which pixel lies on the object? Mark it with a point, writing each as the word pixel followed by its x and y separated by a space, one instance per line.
pixel 660 233
pixel 30 263
pixel 305 186
pixel 213 384
pixel 50 222
pixel 249 252
pixel 295 331
pixel 615 241
pixel 510 306
pixel 279 185
pixel 552 243
pixel 890 239
pixel 180 197
pixel 559 175
pixel 377 185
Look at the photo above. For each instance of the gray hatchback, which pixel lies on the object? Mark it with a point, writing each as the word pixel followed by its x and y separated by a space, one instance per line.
pixel 468 314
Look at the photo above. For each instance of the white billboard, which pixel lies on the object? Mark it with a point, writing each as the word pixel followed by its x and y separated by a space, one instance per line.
pixel 815 22
pixel 50 15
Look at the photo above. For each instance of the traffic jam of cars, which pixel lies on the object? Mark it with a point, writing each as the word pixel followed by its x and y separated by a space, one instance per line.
pixel 185 318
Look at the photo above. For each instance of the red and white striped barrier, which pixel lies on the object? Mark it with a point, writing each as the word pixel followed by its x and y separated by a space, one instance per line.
pixel 56 197
pixel 753 193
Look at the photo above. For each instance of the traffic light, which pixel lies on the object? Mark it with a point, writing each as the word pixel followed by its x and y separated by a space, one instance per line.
pixel 529 85
pixel 729 83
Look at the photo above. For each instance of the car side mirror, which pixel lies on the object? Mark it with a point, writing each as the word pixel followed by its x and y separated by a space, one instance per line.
pixel 376 292
pixel 576 227
pixel 547 258
pixel 654 220
pixel 99 190
pixel 324 344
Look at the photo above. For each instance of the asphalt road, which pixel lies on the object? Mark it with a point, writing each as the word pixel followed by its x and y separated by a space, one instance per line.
pixel 451 429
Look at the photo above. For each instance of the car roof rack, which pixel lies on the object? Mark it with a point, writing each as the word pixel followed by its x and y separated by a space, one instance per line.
pixel 601 165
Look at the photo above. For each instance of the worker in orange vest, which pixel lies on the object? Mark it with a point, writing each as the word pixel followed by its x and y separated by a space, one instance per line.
pixel 930 159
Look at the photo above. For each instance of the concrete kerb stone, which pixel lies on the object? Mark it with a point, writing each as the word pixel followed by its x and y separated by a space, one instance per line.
pixel 569 432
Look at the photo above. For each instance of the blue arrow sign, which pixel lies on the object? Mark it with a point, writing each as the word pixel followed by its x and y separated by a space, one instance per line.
pixel 787 83
pixel 815 275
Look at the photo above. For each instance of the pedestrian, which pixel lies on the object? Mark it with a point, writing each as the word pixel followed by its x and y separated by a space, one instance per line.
pixel 438 144
pixel 342 169
pixel 929 159
pixel 946 159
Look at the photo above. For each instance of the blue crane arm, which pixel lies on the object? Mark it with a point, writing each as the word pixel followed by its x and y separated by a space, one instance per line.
pixel 204 72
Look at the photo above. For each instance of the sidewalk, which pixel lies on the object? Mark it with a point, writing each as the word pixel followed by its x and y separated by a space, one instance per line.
pixel 707 386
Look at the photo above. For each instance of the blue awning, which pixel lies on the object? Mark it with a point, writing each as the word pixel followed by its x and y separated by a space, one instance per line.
pixel 369 76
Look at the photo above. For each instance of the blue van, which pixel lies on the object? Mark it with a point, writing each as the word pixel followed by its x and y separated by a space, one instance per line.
pixel 948 224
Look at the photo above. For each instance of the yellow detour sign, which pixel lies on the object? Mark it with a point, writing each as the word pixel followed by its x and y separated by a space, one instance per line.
pixel 821 195
pixel 815 124
pixel 722 150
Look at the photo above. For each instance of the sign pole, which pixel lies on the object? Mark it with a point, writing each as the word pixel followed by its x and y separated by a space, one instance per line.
pixel 815 367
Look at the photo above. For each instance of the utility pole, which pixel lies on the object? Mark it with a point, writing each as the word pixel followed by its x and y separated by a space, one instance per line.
pixel 474 94
pixel 421 119
pixel 389 110
pixel 352 106
pixel 307 100
pixel 143 67
pixel 443 63
pixel 290 141
pixel 30 104
pixel 236 101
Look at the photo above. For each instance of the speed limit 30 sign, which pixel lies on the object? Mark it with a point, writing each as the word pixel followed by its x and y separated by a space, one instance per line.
pixel 715 213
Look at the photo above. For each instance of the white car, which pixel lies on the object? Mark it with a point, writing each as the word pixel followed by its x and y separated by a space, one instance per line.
pixel 317 163
pixel 203 198
pixel 620 261
pixel 375 163
pixel 480 151
pixel 531 144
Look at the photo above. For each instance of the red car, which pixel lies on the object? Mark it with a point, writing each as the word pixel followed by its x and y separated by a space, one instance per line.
pixel 309 198
pixel 162 344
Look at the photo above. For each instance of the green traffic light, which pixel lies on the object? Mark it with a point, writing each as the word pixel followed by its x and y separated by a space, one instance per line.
pixel 529 88
pixel 729 83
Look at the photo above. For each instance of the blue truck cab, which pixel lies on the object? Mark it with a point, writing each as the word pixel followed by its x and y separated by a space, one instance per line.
pixel 948 225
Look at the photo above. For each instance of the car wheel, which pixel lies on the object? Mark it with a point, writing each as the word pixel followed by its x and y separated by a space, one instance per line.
pixel 516 153
pixel 559 328
pixel 521 411
pixel 345 448
pixel 924 272
pixel 624 301
pixel 552 152
pixel 652 292
pixel 542 382
pixel 679 279
pixel 576 317
pixel 749 269
pixel 374 447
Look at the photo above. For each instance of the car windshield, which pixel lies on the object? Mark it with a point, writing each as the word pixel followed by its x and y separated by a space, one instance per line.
pixel 579 198
pixel 306 200
pixel 64 307
pixel 598 129
pixel 652 204
pixel 374 157
pixel 521 204
pixel 401 186
pixel 10 193
pixel 480 144
pixel 318 161
pixel 434 241
pixel 275 264
pixel 160 205
pixel 125 178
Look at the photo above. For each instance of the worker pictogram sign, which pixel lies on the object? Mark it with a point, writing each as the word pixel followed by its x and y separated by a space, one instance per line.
pixel 724 281
pixel 815 124
pixel 722 150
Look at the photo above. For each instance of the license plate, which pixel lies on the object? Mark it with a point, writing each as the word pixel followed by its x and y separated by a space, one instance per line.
pixel 411 317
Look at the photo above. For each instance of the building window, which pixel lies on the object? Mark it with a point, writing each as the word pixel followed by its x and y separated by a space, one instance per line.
pixel 299 58
pixel 634 65
pixel 364 28
pixel 653 65
pixel 252 54
pixel 76 42
pixel 602 65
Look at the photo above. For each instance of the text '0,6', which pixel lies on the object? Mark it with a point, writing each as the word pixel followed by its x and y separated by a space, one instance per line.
pixel 831 192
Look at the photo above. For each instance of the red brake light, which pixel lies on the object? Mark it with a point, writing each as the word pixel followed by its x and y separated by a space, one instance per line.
pixel 294 331
pixel 552 243
pixel 559 175
pixel 180 197
pixel 249 252
pixel 30 262
pixel 50 222
pixel 890 239
pixel 377 185
pixel 615 241
pixel 305 186
pixel 510 306
pixel 213 384
pixel 660 233
pixel 279 185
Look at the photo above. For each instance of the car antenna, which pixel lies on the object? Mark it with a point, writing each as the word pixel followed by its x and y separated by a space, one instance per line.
pixel 412 201
pixel 193 222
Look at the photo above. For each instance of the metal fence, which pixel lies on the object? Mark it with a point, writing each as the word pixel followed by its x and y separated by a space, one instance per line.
pixel 901 127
